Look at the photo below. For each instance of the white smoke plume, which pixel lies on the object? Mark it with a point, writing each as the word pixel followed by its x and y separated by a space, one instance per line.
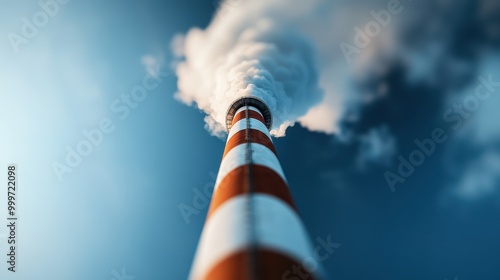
pixel 282 51
pixel 306 59
pixel 251 48
pixel 349 67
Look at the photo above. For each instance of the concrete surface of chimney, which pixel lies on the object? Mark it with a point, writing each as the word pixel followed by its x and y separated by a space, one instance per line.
pixel 252 230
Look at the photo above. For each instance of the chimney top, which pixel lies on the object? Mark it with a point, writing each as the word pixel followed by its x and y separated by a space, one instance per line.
pixel 248 101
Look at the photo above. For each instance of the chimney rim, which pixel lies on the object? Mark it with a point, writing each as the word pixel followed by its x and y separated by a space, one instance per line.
pixel 249 101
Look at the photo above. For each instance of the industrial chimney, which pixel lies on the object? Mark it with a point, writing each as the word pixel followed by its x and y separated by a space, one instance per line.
pixel 252 231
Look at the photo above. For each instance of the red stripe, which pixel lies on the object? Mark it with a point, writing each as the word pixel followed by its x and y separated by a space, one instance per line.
pixel 269 265
pixel 251 114
pixel 264 180
pixel 256 136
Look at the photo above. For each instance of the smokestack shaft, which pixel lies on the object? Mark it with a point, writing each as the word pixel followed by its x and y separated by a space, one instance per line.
pixel 252 229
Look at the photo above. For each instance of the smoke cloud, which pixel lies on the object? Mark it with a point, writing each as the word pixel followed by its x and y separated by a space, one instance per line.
pixel 251 48
pixel 285 52
pixel 351 68
pixel 309 60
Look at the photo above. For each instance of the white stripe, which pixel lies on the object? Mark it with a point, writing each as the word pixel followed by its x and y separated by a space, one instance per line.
pixel 260 127
pixel 240 110
pixel 261 155
pixel 254 124
pixel 249 107
pixel 256 110
pixel 277 227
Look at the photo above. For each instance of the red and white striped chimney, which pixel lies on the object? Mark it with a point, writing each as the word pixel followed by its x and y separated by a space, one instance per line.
pixel 252 231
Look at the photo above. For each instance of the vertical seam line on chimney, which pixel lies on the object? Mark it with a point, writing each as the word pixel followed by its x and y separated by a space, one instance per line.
pixel 251 218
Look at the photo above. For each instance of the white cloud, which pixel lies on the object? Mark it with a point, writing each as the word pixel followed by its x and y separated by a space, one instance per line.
pixel 481 177
pixel 152 64
pixel 378 147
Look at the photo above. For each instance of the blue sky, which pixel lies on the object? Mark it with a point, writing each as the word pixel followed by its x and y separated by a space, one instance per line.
pixel 112 211
pixel 119 207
